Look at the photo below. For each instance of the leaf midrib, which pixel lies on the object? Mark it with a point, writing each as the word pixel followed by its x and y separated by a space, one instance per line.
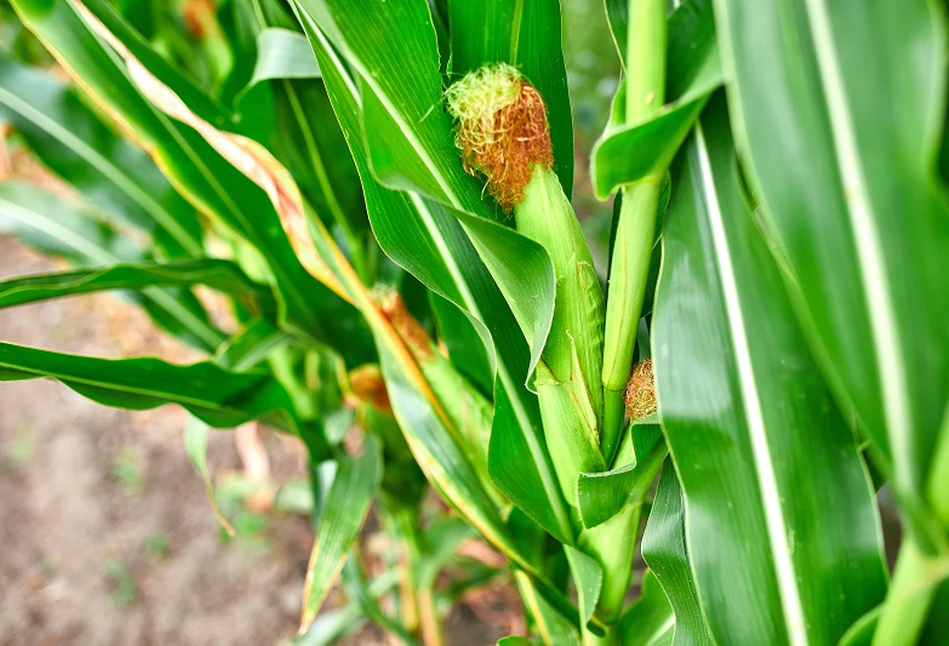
pixel 877 291
pixel 771 504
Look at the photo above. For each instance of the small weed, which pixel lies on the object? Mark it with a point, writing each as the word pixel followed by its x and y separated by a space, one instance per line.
pixel 250 531
pixel 127 470
pixel 22 448
pixel 158 545
pixel 125 590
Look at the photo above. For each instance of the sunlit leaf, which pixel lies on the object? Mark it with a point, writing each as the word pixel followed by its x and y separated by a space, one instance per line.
pixel 755 437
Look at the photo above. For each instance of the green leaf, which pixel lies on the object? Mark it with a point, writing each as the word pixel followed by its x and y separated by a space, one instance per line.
pixel 617 14
pixel 410 140
pixel 861 632
pixel 437 451
pixel 517 640
pixel 466 348
pixel 527 35
pixel 76 33
pixel 422 236
pixel 627 152
pixel 690 41
pixel 850 195
pixel 302 113
pixel 196 446
pixel 221 275
pixel 650 620
pixel 552 626
pixel 52 225
pixel 332 625
pixel 666 553
pixel 69 138
pixel 755 437
pixel 283 54
pixel 513 470
pixel 600 496
pixel 251 345
pixel 218 397
pixel 589 579
pixel 344 513
pixel 429 435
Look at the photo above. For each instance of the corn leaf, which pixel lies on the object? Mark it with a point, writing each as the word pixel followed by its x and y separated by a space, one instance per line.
pixel 219 397
pixel 626 152
pixel 755 437
pixel 84 37
pixel 423 236
pixel 589 578
pixel 650 620
pixel 347 504
pixel 553 628
pixel 431 440
pixel 331 625
pixel 55 226
pixel 251 345
pixel 849 188
pixel 118 178
pixel 221 275
pixel 517 640
pixel 600 496
pixel 196 446
pixel 283 54
pixel 305 137
pixel 665 552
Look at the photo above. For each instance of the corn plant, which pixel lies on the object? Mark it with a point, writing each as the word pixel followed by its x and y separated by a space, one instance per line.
pixel 383 191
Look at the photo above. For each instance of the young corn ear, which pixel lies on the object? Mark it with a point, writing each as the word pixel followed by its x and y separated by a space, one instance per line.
pixel 504 135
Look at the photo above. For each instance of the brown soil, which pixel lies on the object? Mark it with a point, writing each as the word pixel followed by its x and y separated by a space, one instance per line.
pixel 106 536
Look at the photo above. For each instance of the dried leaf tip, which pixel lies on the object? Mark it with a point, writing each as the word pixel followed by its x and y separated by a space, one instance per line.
pixel 369 386
pixel 502 129
pixel 393 308
pixel 641 391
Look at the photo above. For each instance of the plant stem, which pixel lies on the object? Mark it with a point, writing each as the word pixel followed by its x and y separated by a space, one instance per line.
pixel 939 474
pixel 614 545
pixel 610 638
pixel 918 575
pixel 431 628
pixel 419 613
pixel 629 267
pixel 914 583
pixel 645 59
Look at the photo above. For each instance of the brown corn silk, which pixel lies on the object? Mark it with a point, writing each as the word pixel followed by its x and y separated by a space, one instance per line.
pixel 641 391
pixel 502 130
